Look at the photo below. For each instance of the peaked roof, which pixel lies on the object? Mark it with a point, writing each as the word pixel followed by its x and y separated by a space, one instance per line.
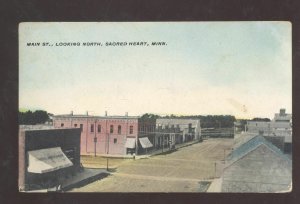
pixel 251 145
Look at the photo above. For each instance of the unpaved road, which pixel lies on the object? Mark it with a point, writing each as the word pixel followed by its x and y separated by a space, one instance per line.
pixel 180 171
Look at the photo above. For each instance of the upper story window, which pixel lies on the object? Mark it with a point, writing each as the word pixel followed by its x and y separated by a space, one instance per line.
pixel 111 128
pixel 81 127
pixel 119 129
pixel 99 128
pixel 92 127
pixel 61 125
pixel 75 125
pixel 131 129
pixel 115 140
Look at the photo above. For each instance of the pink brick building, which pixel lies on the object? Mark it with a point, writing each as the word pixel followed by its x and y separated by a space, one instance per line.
pixel 115 135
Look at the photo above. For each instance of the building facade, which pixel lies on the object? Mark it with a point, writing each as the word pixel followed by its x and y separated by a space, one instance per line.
pixel 280 126
pixel 174 131
pixel 111 135
pixel 46 156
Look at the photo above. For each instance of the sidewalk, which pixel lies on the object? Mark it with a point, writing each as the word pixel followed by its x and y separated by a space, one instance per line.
pixel 83 178
pixel 167 150
pixel 150 153
pixel 215 186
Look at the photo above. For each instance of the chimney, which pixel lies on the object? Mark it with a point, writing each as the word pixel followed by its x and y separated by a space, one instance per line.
pixel 282 112
pixel 105 113
pixel 87 113
pixel 71 113
pixel 126 114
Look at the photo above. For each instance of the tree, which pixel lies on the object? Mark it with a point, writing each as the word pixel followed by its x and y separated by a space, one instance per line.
pixel 32 118
pixel 149 116
pixel 261 119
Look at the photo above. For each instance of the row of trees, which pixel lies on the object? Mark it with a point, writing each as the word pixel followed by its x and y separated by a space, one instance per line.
pixel 33 118
pixel 209 121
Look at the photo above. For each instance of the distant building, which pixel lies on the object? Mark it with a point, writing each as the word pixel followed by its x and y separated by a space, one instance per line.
pixel 47 155
pixel 111 135
pixel 174 131
pixel 280 126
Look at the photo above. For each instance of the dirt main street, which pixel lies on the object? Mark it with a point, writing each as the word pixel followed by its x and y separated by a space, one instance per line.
pixel 180 171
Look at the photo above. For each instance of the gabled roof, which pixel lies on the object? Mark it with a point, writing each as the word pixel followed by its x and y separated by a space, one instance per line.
pixel 257 166
pixel 251 145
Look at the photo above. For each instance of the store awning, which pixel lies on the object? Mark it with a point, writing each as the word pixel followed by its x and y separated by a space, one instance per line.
pixel 47 160
pixel 145 142
pixel 130 143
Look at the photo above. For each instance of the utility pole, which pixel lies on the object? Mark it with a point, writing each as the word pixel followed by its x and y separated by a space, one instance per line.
pixel 163 142
pixel 215 169
pixel 107 137
pixel 95 139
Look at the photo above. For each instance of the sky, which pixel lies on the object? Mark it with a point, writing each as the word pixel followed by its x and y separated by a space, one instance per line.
pixel 206 68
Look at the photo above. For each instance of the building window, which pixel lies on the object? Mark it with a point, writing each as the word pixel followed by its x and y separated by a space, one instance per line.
pixel 115 140
pixel 119 129
pixel 61 125
pixel 111 128
pixel 92 128
pixel 75 125
pixel 81 127
pixel 99 128
pixel 131 129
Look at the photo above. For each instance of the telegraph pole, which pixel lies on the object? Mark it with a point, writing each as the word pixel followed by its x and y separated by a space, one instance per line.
pixel 215 169
pixel 107 151
pixel 95 139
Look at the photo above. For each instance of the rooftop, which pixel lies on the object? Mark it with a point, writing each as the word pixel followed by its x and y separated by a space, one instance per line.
pixel 94 116
pixel 257 166
pixel 250 144
pixel 39 127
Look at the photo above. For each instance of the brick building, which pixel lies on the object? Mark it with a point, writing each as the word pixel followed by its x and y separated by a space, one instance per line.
pixel 47 156
pixel 113 135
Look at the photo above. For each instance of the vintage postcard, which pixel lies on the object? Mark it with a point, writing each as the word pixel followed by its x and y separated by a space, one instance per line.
pixel 155 107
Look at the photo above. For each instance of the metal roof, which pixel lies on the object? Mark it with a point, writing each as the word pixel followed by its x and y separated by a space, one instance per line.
pixel 252 144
